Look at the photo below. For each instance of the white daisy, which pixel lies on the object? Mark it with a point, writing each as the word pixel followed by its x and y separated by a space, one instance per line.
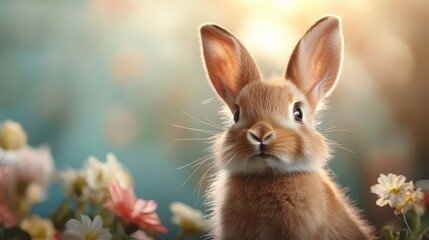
pixel 189 219
pixel 392 189
pixel 86 229
pixel 99 174
pixel 411 203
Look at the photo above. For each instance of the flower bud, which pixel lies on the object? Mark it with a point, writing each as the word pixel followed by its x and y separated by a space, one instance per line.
pixel 12 136
pixel 38 228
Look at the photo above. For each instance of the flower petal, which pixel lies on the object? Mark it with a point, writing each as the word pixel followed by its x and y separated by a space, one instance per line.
pixel 75 226
pixel 86 221
pixel 150 206
pixel 71 235
pixel 125 205
pixel 378 189
pixel 105 234
pixel 97 224
pixel 400 180
pixel 382 202
pixel 382 180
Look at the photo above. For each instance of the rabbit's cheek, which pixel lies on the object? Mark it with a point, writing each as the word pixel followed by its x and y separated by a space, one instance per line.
pixel 315 148
pixel 288 145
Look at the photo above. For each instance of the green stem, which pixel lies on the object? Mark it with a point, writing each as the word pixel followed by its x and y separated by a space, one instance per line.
pixel 81 208
pixel 406 223
pixel 417 224
pixel 120 232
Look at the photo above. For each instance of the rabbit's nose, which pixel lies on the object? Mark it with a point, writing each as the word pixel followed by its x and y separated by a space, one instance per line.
pixel 260 133
pixel 258 139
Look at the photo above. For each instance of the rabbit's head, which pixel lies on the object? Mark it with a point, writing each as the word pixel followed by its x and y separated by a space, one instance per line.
pixel 274 127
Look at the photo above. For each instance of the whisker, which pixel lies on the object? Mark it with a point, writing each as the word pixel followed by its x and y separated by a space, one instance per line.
pixel 197 160
pixel 329 128
pixel 196 129
pixel 209 100
pixel 201 121
pixel 335 130
pixel 190 139
pixel 202 161
pixel 215 124
pixel 192 174
pixel 230 158
pixel 200 182
pixel 337 145
pixel 346 149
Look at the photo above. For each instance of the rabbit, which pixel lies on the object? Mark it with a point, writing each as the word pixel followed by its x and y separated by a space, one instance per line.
pixel 271 180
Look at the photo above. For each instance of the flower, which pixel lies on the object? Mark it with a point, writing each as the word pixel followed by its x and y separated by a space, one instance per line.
pixel 12 136
pixel 98 174
pixel 7 218
pixel 410 203
pixel 27 174
pixel 33 194
pixel 30 164
pixel 75 184
pixel 190 220
pixel 86 229
pixel 38 228
pixel 140 235
pixel 132 211
pixel 391 189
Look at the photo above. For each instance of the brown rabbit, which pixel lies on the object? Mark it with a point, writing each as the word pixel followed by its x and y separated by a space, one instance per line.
pixel 271 181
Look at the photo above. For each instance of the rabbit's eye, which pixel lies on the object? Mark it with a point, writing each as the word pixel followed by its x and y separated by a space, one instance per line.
pixel 297 112
pixel 237 114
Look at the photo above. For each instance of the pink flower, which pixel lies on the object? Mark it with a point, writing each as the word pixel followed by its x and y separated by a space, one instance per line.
pixel 26 176
pixel 131 210
pixel 6 216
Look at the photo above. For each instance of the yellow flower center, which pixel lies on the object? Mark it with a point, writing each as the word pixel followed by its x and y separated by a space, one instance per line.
pixel 78 186
pixel 409 198
pixel 90 236
pixel 189 226
pixel 394 190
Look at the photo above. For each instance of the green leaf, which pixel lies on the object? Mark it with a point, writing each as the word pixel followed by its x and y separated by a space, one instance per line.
pixel 422 231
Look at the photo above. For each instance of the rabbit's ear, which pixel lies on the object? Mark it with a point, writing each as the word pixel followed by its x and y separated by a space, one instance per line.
pixel 229 66
pixel 316 61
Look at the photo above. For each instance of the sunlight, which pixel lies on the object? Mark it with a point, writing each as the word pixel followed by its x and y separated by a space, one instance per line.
pixel 268 39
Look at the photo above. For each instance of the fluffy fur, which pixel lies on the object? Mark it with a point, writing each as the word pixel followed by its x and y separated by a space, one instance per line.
pixel 271 181
pixel 298 205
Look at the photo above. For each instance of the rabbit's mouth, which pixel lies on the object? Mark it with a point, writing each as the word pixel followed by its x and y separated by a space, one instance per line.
pixel 266 156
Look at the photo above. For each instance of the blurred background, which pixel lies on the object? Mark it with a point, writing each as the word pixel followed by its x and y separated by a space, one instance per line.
pixel 100 76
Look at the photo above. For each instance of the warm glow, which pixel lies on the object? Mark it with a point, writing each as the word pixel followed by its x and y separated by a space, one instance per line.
pixel 284 4
pixel 268 39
